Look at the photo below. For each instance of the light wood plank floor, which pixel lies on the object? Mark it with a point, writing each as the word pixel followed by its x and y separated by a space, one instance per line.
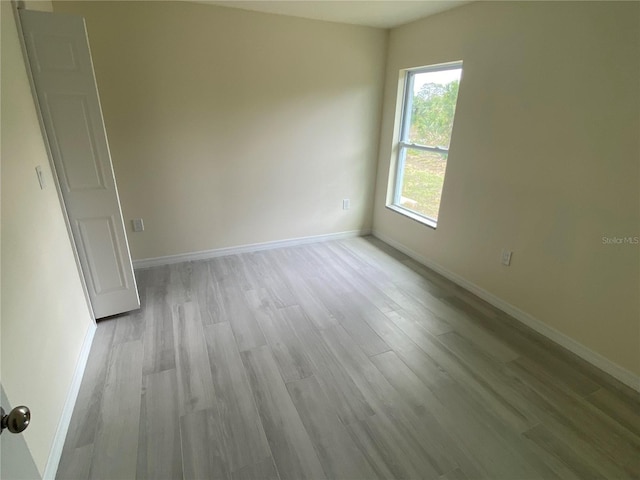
pixel 339 360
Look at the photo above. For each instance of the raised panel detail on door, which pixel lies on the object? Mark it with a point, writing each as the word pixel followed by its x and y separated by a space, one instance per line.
pixel 57 54
pixel 65 85
pixel 72 139
pixel 98 234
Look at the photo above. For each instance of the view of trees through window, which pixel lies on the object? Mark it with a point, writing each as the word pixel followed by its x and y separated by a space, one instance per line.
pixel 432 105
pixel 432 113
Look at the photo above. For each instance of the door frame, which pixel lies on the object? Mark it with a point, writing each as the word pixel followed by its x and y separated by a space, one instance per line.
pixel 20 5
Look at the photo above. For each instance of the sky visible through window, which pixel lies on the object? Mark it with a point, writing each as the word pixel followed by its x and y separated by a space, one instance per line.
pixel 442 77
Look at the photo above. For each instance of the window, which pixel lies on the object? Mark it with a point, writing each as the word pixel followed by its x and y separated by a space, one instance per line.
pixel 428 108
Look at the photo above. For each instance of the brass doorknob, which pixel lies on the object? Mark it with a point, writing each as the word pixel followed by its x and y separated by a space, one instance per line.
pixel 17 420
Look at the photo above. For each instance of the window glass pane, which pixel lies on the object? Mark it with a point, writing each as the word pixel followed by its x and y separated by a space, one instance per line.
pixel 432 107
pixel 422 181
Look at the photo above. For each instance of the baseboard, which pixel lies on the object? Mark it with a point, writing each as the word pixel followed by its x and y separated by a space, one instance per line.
pixel 55 453
pixel 253 247
pixel 616 371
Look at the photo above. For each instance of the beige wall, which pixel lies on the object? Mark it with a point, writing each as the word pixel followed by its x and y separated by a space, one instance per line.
pixel 44 313
pixel 544 161
pixel 230 127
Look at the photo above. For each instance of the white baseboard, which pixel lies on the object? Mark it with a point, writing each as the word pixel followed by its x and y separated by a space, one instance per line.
pixel 623 375
pixel 55 453
pixel 253 247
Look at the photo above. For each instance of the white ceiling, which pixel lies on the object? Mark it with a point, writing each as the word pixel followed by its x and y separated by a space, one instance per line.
pixel 373 13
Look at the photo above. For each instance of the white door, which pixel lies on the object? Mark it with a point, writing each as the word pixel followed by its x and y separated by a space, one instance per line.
pixel 60 60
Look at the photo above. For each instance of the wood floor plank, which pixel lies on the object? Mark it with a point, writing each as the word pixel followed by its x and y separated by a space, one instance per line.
pixel 292 450
pixel 117 434
pixel 564 427
pixel 391 268
pixel 195 385
pixel 159 447
pixel 202 446
pixel 455 474
pixel 244 438
pixel 246 329
pixel 295 260
pixel 390 454
pixel 465 376
pixel 217 304
pixel 287 350
pixel 623 411
pixel 411 284
pixel 386 401
pixel 219 270
pixel 583 467
pixel 417 309
pixel 422 318
pixel 82 428
pixel 437 285
pixel 487 446
pixel 204 293
pixel 471 303
pixel 430 411
pixel 258 268
pixel 75 463
pixel 179 284
pixel 339 455
pixel 489 373
pixel 348 317
pixel 566 368
pixel 280 291
pixel 155 276
pixel 462 323
pixel 351 260
pixel 327 267
pixel 318 313
pixel 411 389
pixel 320 286
pixel 237 273
pixel 263 470
pixel 576 416
pixel 380 324
pixel 562 371
pixel 158 338
pixel 347 268
pixel 336 383
pixel 373 281
pixel 130 327
pixel 390 262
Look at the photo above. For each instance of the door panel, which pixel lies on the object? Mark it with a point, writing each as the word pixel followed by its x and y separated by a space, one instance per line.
pixel 104 269
pixel 16 462
pixel 58 52
pixel 73 141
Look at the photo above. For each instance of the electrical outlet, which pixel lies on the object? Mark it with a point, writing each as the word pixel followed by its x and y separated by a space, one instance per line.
pixel 138 225
pixel 506 257
pixel 346 204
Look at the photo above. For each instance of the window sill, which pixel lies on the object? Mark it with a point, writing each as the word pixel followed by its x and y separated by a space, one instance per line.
pixel 413 216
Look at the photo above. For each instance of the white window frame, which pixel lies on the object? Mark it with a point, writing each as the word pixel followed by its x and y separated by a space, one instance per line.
pixel 403 145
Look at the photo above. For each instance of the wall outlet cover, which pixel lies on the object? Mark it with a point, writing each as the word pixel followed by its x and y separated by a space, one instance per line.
pixel 138 225
pixel 41 179
pixel 506 257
